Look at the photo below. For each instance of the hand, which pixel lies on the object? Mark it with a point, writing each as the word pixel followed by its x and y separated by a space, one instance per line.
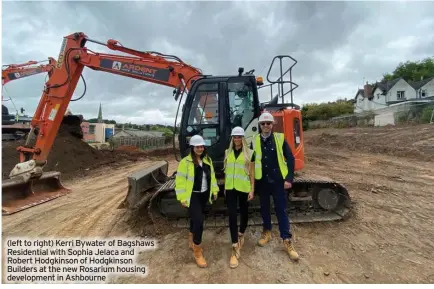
pixel 251 196
pixel 215 197
pixel 184 204
pixel 287 185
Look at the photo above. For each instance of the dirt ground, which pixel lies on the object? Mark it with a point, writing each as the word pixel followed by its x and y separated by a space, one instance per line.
pixel 389 238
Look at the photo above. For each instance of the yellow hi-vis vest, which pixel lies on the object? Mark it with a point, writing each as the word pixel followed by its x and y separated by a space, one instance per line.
pixel 278 139
pixel 235 173
pixel 184 180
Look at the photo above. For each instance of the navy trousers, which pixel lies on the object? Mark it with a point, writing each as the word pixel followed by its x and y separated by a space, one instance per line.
pixel 277 191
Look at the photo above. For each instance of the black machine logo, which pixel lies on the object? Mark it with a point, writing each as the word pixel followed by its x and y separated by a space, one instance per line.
pixel 161 74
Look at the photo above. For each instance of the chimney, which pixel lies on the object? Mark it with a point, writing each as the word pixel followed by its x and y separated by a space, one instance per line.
pixel 367 91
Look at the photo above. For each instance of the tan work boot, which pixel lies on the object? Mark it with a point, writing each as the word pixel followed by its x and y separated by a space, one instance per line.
pixel 293 255
pixel 241 240
pixel 197 253
pixel 233 263
pixel 190 240
pixel 265 238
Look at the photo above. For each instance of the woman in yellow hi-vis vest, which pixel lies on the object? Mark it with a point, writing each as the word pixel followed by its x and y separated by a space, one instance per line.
pixel 195 185
pixel 239 188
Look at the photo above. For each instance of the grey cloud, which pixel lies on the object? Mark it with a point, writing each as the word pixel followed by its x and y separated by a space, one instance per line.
pixel 336 45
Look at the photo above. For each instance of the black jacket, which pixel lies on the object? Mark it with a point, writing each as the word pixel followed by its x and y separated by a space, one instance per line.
pixel 198 174
pixel 287 153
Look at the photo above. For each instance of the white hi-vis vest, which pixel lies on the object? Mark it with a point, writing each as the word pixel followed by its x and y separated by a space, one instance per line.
pixel 235 173
pixel 278 139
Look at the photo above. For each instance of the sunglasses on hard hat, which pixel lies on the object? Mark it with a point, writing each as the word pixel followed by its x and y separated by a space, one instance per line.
pixel 266 123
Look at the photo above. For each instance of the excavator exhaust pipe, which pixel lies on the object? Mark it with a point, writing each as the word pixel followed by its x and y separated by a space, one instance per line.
pixel 18 195
pixel 143 181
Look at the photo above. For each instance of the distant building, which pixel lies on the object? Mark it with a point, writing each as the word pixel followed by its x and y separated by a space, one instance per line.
pixel 97 132
pixel 137 133
pixel 383 94
pixel 386 98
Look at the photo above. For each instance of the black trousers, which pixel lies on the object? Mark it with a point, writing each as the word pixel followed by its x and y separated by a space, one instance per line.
pixel 233 197
pixel 198 202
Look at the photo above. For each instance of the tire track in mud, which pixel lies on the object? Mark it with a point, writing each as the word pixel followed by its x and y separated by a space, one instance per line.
pixel 91 200
pixel 100 207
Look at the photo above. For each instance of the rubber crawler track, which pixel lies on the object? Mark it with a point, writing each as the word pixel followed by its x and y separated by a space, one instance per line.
pixel 301 209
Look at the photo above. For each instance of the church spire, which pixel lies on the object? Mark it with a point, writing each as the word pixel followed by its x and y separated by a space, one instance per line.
pixel 100 114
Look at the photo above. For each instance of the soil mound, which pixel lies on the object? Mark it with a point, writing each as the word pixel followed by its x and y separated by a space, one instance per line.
pixel 411 142
pixel 72 157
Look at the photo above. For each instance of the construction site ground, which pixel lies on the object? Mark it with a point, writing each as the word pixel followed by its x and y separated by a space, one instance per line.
pixel 389 237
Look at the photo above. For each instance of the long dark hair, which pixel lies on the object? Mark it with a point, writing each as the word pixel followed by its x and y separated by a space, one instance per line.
pixel 193 155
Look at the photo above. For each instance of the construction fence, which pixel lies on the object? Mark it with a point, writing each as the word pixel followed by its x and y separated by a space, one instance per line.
pixel 144 143
pixel 418 112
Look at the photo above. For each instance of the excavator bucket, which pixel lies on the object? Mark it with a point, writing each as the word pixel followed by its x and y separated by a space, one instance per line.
pixel 143 181
pixel 18 195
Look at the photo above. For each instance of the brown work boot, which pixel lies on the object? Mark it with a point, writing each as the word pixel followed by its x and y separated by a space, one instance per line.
pixel 197 253
pixel 265 238
pixel 293 255
pixel 241 240
pixel 190 240
pixel 233 263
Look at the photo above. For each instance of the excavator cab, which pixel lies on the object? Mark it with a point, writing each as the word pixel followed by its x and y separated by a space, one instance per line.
pixel 214 106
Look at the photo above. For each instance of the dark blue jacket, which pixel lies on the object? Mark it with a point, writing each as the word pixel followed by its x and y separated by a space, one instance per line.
pixel 270 165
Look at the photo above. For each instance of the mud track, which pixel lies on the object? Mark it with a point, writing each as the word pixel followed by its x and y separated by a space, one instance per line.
pixel 388 239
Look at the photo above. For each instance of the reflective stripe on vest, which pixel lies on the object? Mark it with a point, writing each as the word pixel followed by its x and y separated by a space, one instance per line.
pixel 278 139
pixel 235 173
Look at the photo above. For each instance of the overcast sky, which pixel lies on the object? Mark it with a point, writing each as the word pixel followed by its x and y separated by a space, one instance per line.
pixel 337 46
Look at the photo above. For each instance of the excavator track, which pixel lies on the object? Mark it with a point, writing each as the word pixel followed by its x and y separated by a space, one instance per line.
pixel 311 199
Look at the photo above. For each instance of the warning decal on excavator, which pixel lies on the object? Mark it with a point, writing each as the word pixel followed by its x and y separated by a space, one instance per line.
pixel 24 73
pixel 61 54
pixel 54 112
pixel 136 69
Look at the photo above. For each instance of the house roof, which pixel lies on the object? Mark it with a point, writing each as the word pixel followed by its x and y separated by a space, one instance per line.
pixel 385 86
pixel 420 83
pixel 361 92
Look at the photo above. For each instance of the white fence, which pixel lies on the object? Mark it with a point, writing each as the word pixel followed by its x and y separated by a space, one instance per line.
pixel 142 142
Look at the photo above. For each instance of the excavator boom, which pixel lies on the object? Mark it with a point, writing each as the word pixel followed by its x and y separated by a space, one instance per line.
pixel 12 72
pixel 19 191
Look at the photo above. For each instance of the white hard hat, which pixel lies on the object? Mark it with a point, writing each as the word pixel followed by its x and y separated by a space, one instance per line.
pixel 266 116
pixel 197 140
pixel 238 131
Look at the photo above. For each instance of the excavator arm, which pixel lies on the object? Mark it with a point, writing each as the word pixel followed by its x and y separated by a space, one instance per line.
pixel 149 66
pixel 12 72
pixel 74 56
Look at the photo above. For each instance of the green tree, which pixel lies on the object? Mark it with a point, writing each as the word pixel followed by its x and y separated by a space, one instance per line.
pixel 412 70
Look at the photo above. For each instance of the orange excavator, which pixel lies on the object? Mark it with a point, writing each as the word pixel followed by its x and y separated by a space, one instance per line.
pixel 11 72
pixel 213 106
pixel 10 128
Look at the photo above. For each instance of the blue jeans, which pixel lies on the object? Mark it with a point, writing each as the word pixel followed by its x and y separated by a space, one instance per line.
pixel 280 199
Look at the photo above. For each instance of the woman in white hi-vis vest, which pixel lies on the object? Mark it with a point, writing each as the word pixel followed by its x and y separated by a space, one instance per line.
pixel 239 188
